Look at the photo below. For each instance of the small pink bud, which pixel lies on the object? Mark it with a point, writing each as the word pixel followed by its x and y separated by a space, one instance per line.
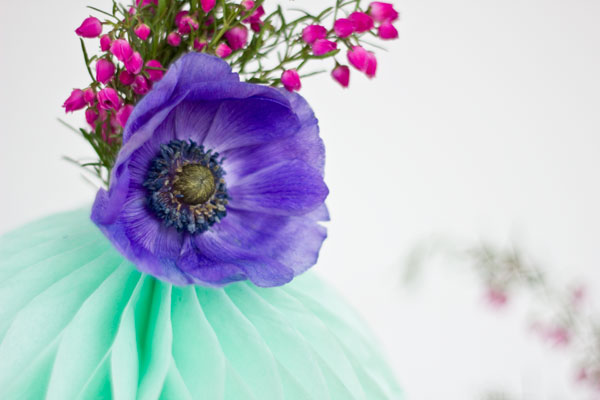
pixel 126 78
pixel 223 50
pixel 89 96
pixel 363 60
pixel 256 26
pixel 496 298
pixel 343 27
pixel 387 31
pixel 187 24
pixel 135 63
pixel 248 4
pixel 90 28
pixel 121 49
pixel 237 37
pixel 362 22
pixel 131 11
pixel 142 31
pixel 323 46
pixel 108 99
pixel 105 70
pixel 140 85
pixel 382 12
pixel 313 32
pixel 180 15
pixel 123 114
pixel 291 80
pixel 174 39
pixel 341 74
pixel 105 43
pixel 91 116
pixel 154 74
pixel 198 45
pixel 207 5
pixel 75 101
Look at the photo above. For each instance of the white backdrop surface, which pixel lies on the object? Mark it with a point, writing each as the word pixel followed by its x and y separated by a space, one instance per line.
pixel 482 122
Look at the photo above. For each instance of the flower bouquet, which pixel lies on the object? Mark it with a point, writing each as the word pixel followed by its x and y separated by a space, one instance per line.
pixel 182 281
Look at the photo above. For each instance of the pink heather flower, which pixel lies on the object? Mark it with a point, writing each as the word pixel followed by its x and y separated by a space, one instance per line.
pixel 135 63
pixel 256 26
pixel 75 101
pixel 89 96
pixel 387 31
pixel 154 74
pixel 142 31
pixel 121 49
pixel 126 78
pixel 362 22
pixel 140 85
pixel 91 116
pixel 174 39
pixel 143 3
pixel 207 5
pixel 291 80
pixel 341 74
pixel 105 43
pixel 248 4
pixel 558 335
pixel 131 11
pixel 382 12
pixel 343 27
pixel 363 60
pixel 108 99
pixel 187 24
pixel 223 50
pixel 313 32
pixel 91 27
pixel 123 114
pixel 237 37
pixel 323 46
pixel 255 18
pixel 198 45
pixel 496 298
pixel 180 15
pixel 105 70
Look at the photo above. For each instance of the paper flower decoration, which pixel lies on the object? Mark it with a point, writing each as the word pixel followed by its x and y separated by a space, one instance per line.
pixel 78 321
pixel 217 180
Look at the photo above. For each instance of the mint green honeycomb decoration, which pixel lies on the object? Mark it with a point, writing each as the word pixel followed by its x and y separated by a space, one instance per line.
pixel 77 321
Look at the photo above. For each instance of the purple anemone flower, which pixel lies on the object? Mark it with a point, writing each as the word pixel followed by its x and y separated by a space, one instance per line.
pixel 217 180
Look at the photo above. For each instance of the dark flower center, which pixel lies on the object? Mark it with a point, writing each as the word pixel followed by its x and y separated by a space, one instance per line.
pixel 186 188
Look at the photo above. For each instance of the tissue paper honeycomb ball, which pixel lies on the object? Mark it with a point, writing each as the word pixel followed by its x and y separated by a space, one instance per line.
pixel 78 321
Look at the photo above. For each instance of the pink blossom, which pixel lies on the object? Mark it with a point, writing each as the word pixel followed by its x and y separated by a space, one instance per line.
pixel 323 46
pixel 187 24
pixel 180 15
pixel 91 27
pixel 313 32
pixel 105 43
pixel 140 85
pixel 558 335
pixel 89 96
pixel 174 39
pixel 198 45
pixel 387 31
pixel 362 22
pixel 496 298
pixel 143 3
pixel 75 101
pixel 207 5
pixel 121 49
pixel 135 63
pixel 105 70
pixel 256 26
pixel 341 74
pixel 382 12
pixel 123 114
pixel 343 27
pixel 154 74
pixel 223 50
pixel 363 60
pixel 248 4
pixel 142 31
pixel 237 37
pixel 291 80
pixel 131 11
pixel 255 19
pixel 91 116
pixel 108 99
pixel 126 78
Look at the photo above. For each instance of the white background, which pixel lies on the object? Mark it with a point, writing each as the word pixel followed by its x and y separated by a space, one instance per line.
pixel 482 122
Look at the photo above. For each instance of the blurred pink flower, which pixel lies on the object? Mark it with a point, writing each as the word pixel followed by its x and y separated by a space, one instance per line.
pixel 142 31
pixel 237 37
pixel 75 101
pixel 291 80
pixel 341 74
pixel 343 27
pixel 313 32
pixel 90 28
